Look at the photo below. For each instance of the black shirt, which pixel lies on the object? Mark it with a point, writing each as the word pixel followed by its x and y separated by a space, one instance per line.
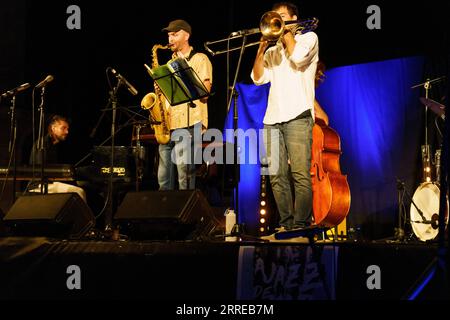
pixel 50 152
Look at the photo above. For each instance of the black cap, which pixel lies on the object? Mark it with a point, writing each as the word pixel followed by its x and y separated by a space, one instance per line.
pixel 177 25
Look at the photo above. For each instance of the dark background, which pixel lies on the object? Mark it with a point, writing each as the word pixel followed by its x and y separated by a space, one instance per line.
pixel 35 42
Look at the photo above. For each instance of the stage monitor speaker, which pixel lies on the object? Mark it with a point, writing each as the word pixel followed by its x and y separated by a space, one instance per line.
pixel 166 215
pixel 58 215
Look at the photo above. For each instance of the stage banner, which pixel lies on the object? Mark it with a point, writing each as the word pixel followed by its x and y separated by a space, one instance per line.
pixel 287 273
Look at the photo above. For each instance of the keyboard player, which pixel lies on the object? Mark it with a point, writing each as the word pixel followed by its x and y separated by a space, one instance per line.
pixel 57 132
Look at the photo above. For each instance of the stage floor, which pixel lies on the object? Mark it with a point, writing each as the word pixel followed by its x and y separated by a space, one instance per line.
pixel 44 268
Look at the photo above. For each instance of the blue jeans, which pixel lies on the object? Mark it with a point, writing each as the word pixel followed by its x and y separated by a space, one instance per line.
pixel 178 153
pixel 295 140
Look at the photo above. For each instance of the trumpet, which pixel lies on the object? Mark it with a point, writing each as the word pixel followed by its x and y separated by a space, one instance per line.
pixel 271 26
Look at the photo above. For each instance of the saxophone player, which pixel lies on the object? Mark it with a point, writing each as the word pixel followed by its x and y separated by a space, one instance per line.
pixel 179 33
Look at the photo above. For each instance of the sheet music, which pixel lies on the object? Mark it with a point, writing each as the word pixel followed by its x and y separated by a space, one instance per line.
pixel 178 82
pixel 188 77
pixel 166 82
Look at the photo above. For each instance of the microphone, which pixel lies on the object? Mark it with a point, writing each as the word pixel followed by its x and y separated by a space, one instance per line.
pixel 423 222
pixel 400 184
pixel 44 82
pixel 245 32
pixel 435 221
pixel 16 90
pixel 130 87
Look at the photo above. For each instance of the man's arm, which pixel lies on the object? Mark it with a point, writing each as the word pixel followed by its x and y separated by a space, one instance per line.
pixel 204 71
pixel 320 113
pixel 306 49
pixel 208 85
pixel 258 65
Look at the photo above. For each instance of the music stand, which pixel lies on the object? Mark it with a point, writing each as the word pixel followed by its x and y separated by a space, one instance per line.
pixel 180 84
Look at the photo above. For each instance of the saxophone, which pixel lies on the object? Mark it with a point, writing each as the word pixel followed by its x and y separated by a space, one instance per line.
pixel 155 103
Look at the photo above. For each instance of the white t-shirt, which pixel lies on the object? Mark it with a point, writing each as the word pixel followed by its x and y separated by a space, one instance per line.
pixel 292 78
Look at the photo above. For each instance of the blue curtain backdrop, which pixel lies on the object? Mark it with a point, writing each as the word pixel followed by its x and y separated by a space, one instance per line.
pixel 252 103
pixel 379 120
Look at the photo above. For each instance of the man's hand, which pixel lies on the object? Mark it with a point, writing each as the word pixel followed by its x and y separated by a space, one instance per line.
pixel 263 44
pixel 288 41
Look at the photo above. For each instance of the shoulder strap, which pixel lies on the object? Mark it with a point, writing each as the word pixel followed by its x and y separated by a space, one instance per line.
pixel 193 52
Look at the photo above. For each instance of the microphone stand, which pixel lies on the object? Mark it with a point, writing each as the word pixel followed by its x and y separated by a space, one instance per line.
pixel 443 253
pixel 12 144
pixel 400 231
pixel 438 269
pixel 12 137
pixel 40 144
pixel 426 147
pixel 113 102
pixel 238 230
pixel 129 121
pixel 139 155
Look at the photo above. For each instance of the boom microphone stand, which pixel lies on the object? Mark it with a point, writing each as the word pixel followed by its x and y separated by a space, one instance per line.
pixel 40 144
pixel 237 230
pixel 426 157
pixel 12 144
pixel 13 133
pixel 399 233
pixel 40 147
pixel 113 102
pixel 438 269
pixel 139 154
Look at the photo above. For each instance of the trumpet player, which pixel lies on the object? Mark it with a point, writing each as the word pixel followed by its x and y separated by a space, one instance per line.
pixel 179 33
pixel 290 66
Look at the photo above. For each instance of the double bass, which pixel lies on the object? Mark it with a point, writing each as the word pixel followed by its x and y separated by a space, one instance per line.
pixel 331 192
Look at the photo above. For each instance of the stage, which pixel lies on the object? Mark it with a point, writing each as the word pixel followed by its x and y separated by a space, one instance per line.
pixel 215 270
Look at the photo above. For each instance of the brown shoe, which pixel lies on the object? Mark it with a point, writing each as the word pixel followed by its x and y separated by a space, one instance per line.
pixel 295 240
pixel 271 237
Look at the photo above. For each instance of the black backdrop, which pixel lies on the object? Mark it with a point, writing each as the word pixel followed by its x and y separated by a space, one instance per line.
pixel 35 42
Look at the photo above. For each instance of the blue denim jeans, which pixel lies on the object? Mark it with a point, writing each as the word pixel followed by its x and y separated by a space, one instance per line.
pixel 295 139
pixel 179 153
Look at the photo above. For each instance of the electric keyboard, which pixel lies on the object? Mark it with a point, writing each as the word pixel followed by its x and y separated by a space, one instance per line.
pixel 58 172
